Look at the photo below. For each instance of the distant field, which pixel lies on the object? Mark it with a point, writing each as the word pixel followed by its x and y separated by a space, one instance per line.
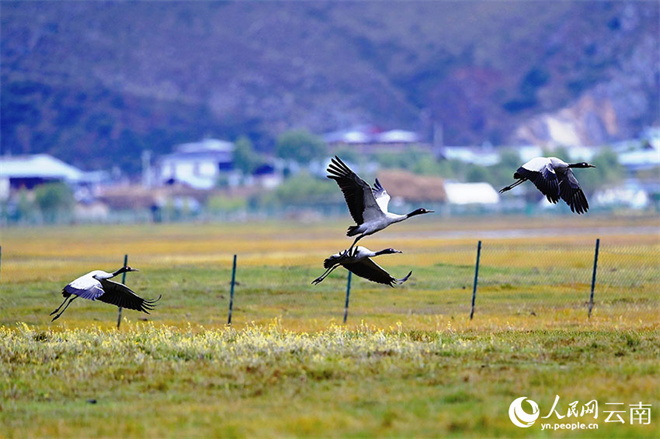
pixel 408 363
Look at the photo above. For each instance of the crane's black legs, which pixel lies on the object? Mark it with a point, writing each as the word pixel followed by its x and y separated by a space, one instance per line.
pixel 345 254
pixel 354 242
pixel 58 308
pixel 504 189
pixel 319 279
pixel 70 299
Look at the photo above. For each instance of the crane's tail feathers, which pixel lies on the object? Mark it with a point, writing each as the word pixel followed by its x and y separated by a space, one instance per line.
pixel 508 188
pixel 352 231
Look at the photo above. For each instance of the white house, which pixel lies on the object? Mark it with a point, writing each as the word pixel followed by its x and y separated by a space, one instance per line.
pixel 644 157
pixel 471 193
pixel 28 171
pixel 629 194
pixel 478 155
pixel 198 164
pixel 397 136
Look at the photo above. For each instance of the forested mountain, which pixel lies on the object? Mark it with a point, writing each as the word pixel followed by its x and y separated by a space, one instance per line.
pixel 95 82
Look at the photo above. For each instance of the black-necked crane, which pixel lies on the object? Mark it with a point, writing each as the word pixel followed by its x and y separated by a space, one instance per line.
pixel 555 179
pixel 96 285
pixel 367 205
pixel 358 260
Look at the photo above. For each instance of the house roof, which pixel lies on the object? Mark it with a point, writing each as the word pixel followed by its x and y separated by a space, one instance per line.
pixel 38 165
pixel 471 193
pixel 472 154
pixel 370 134
pixel 206 150
pixel 397 136
pixel 205 146
pixel 645 158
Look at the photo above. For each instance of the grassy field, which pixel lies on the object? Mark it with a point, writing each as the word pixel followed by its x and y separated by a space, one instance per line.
pixel 409 362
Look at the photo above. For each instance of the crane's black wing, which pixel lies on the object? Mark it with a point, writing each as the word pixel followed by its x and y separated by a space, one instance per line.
pixel 572 193
pixel 120 295
pixel 369 270
pixel 358 194
pixel 545 181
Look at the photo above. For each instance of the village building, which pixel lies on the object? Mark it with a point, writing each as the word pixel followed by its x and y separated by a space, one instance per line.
pixel 30 171
pixel 368 139
pixel 199 165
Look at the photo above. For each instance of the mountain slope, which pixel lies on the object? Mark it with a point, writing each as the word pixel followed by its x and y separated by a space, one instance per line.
pixel 96 82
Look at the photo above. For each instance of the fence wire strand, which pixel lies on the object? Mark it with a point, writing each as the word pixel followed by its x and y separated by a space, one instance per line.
pixel 553 279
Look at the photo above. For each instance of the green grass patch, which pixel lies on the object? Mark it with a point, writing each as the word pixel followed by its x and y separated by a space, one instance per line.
pixel 409 362
pixel 162 381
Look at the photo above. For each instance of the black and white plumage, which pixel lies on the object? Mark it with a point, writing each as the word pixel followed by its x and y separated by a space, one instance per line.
pixel 367 205
pixel 358 260
pixel 96 285
pixel 555 179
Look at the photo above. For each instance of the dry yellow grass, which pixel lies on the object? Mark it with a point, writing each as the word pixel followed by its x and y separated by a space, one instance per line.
pixel 409 363
pixel 277 260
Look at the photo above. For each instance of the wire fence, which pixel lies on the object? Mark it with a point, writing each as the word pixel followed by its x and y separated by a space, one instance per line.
pixel 553 280
pixel 550 278
pixel 544 278
pixel 629 278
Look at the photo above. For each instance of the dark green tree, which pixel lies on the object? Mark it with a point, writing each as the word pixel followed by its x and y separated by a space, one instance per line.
pixel 300 146
pixel 408 160
pixel 55 200
pixel 608 172
pixel 245 158
pixel 501 174
pixel 478 174
pixel 302 189
pixel 26 210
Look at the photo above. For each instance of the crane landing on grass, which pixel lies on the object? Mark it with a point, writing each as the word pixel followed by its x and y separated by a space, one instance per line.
pixel 367 205
pixel 97 285
pixel 555 179
pixel 358 261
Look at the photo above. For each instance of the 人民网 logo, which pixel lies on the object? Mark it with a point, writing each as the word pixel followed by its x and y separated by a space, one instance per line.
pixel 519 416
